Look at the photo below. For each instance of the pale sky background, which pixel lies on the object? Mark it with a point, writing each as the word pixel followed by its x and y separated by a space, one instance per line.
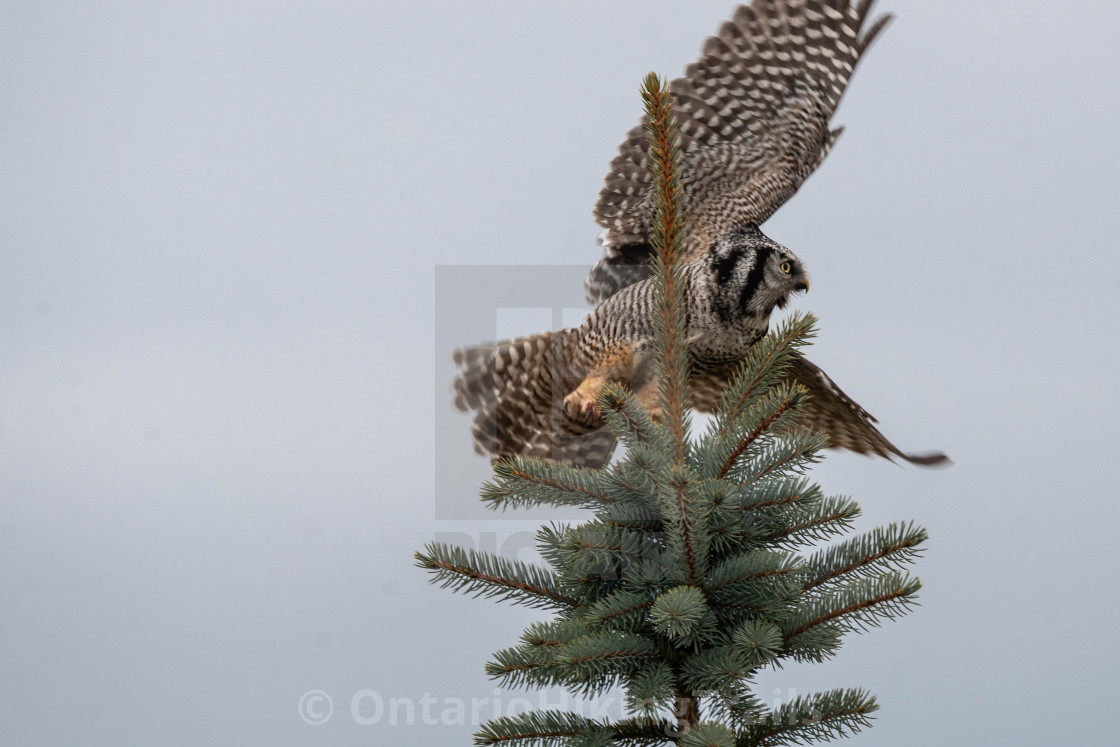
pixel 224 385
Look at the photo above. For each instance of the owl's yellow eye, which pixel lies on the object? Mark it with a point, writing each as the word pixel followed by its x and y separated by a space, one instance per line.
pixel 786 267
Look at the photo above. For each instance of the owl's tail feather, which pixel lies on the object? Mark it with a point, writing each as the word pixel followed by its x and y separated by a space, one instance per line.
pixel 516 388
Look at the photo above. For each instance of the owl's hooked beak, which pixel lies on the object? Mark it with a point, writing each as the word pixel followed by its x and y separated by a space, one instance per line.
pixel 804 285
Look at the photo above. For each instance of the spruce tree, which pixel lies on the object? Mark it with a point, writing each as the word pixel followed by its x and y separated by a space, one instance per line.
pixel 690 576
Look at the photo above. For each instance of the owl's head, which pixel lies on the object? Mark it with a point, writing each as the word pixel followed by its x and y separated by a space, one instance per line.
pixel 752 273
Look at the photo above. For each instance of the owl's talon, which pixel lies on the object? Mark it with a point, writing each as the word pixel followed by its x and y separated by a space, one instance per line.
pixel 581 408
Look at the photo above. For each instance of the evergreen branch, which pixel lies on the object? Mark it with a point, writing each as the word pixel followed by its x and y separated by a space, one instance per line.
pixel 602 551
pixel 668 230
pixel 553 634
pixel 538 729
pixel 595 662
pixel 651 689
pixel 593 586
pixel 665 158
pixel 641 730
pixel 524 666
pixel 815 644
pixel 762 368
pixel 528 481
pixel 882 548
pixel 740 606
pixel 635 516
pixel 758 641
pixel 714 669
pixel 633 481
pixel 586 664
pixel 684 508
pixel 765 415
pixel 734 703
pixel 729 533
pixel 760 581
pixel 833 515
pixel 595 536
pixel 628 420
pixel 708 734
pixel 761 513
pixel 656 573
pixel 855 606
pixel 623 478
pixel 599 648
pixel 747 567
pixel 550 544
pixel 483 574
pixel 750 438
pixel 678 613
pixel 793 452
pixel 685 531
pixel 645 461
pixel 626 610
pixel 775 493
pixel 819 717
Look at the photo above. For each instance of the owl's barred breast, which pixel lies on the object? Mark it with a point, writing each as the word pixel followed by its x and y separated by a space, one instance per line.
pixel 629 316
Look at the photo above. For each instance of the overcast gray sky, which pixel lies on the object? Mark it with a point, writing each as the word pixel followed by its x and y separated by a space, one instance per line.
pixel 223 382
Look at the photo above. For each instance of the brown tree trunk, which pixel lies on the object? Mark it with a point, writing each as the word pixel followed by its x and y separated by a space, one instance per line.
pixel 687 712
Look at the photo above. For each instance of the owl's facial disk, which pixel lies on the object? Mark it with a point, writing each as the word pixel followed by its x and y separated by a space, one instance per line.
pixel 753 274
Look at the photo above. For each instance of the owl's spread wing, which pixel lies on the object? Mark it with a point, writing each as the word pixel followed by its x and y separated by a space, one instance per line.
pixel 847 425
pixel 753 114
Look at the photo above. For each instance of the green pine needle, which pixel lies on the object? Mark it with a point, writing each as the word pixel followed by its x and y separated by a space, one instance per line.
pixel 677 613
pixel 707 734
pixel 527 481
pixel 540 729
pixel 483 574
pixel 815 718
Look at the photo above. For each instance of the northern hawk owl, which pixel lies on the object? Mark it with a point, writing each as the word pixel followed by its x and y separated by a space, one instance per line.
pixel 753 116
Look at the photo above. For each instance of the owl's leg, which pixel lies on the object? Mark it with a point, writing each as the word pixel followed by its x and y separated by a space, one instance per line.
pixel 647 396
pixel 583 403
